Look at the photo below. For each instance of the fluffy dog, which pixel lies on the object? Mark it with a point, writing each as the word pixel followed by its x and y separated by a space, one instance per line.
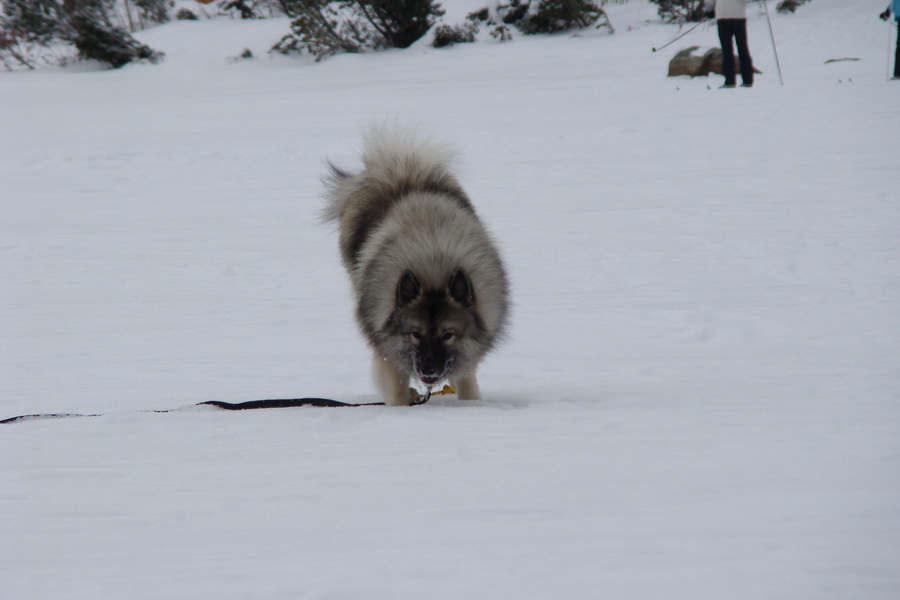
pixel 431 290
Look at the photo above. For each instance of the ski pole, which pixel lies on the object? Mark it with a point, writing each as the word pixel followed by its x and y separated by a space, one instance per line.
pixel 774 46
pixel 680 36
pixel 887 69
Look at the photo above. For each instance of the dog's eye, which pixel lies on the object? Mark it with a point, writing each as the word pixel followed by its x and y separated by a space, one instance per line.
pixel 448 335
pixel 415 335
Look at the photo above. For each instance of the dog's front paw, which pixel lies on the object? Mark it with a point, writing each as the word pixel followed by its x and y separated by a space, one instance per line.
pixel 467 389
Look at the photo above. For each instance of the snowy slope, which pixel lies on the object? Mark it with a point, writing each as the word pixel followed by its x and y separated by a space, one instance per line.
pixel 699 398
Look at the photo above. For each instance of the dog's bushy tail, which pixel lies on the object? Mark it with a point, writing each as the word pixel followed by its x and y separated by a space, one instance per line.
pixel 397 160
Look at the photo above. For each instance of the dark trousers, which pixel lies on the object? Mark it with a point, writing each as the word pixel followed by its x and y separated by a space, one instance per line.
pixel 897 53
pixel 737 29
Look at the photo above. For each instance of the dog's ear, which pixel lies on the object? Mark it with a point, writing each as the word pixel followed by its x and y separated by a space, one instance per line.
pixel 460 288
pixel 408 289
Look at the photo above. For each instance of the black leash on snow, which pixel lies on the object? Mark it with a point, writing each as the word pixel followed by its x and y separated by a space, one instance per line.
pixel 250 405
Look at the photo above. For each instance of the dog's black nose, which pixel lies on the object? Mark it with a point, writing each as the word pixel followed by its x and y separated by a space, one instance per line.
pixel 429 369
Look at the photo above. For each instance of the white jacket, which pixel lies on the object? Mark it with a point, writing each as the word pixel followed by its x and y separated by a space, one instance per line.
pixel 729 9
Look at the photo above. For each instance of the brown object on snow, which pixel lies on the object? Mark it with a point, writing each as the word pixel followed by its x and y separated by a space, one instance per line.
pixel 687 63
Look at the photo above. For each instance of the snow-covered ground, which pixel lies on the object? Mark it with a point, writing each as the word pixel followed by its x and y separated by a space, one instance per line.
pixel 701 393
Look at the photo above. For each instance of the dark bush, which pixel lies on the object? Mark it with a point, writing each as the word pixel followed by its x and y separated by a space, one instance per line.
pixel 402 22
pixel 245 8
pixel 681 11
pixel 153 12
pixel 789 6
pixel 325 27
pixel 37 21
pixel 184 14
pixel 554 16
pixel 108 44
pixel 541 16
pixel 446 35
pixel 29 27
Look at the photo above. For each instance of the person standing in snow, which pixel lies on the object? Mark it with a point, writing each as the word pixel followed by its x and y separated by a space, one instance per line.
pixel 894 7
pixel 731 20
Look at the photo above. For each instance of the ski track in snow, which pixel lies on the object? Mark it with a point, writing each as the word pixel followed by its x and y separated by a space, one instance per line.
pixel 699 397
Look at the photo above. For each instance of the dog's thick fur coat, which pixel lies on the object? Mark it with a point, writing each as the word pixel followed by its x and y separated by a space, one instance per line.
pixel 431 291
